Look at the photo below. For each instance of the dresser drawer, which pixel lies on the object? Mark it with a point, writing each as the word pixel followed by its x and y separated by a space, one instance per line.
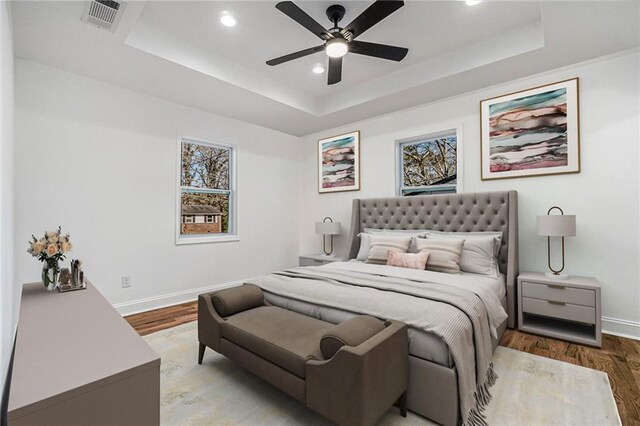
pixel 566 311
pixel 559 293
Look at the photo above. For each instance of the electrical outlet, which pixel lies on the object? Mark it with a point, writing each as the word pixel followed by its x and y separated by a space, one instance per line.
pixel 126 281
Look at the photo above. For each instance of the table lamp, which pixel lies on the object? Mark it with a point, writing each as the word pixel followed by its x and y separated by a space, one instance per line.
pixel 327 227
pixel 559 225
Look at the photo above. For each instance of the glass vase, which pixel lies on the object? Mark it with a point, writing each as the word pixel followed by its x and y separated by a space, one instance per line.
pixel 50 275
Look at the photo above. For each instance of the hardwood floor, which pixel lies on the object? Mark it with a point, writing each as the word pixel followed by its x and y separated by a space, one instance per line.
pixel 161 319
pixel 618 357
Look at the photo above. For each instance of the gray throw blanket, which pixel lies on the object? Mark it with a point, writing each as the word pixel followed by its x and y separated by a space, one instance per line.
pixel 456 315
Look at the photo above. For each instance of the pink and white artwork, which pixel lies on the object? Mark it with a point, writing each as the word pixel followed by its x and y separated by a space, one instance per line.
pixel 531 133
pixel 339 163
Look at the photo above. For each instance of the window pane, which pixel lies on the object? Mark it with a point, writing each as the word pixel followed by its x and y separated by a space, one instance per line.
pixel 205 166
pixel 199 205
pixel 433 162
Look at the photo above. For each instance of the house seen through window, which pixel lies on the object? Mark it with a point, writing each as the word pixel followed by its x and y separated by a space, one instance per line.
pixel 428 164
pixel 207 194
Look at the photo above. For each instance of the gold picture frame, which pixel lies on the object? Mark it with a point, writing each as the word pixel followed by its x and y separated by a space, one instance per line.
pixel 532 132
pixel 339 163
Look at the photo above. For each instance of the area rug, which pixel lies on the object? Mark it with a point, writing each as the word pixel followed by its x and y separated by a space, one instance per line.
pixel 531 390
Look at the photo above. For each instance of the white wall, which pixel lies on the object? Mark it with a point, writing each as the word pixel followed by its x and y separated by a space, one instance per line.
pixel 7 283
pixel 604 195
pixel 101 161
pixel 91 157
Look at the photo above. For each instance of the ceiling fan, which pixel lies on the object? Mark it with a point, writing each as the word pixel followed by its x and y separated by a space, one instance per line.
pixel 339 41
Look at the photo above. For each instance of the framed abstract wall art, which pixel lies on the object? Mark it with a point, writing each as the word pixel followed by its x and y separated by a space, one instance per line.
pixel 531 133
pixel 339 163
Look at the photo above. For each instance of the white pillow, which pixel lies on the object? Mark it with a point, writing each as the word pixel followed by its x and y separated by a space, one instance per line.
pixel 365 246
pixel 475 234
pixel 480 251
pixel 384 242
pixel 363 251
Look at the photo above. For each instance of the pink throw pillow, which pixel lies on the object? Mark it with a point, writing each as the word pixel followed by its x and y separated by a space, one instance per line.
pixel 408 260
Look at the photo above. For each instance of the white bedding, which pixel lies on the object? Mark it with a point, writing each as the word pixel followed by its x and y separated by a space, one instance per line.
pixel 490 290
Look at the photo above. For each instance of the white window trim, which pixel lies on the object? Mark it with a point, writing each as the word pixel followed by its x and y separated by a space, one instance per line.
pixel 430 134
pixel 232 235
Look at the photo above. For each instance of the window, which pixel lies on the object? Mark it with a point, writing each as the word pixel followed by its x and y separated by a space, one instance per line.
pixel 427 164
pixel 206 190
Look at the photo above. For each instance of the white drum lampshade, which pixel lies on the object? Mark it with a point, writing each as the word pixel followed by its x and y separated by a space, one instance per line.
pixel 327 227
pixel 557 225
pixel 560 225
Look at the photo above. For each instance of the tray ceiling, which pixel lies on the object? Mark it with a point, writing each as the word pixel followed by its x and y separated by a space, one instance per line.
pixel 180 52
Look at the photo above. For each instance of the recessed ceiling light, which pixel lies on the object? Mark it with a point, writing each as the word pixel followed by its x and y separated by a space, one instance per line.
pixel 318 69
pixel 336 47
pixel 228 20
pixel 472 2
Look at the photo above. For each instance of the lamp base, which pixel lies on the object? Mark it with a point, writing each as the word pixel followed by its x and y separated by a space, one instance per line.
pixel 556 276
pixel 327 255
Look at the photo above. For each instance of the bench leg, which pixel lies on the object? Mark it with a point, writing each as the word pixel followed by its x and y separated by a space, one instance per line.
pixel 402 403
pixel 201 352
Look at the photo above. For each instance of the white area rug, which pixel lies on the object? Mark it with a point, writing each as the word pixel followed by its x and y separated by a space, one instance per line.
pixel 531 390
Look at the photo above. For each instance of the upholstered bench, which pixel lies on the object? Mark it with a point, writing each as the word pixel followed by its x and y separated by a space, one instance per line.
pixel 351 373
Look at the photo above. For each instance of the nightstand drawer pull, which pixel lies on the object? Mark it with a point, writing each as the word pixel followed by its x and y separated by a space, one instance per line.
pixel 559 287
pixel 555 302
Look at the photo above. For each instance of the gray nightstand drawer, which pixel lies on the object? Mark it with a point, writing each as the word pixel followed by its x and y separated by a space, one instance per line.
pixel 560 293
pixel 557 309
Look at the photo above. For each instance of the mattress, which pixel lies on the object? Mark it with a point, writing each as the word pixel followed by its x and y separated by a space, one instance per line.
pixel 422 344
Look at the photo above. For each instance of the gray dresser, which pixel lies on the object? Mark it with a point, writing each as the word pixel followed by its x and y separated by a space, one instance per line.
pixel 566 309
pixel 78 362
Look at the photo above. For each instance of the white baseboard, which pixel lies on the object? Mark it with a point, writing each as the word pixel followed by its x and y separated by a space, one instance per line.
pixel 164 300
pixel 622 328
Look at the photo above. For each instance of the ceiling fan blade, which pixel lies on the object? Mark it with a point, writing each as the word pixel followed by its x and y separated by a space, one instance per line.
pixel 335 70
pixel 374 14
pixel 295 55
pixel 384 51
pixel 301 17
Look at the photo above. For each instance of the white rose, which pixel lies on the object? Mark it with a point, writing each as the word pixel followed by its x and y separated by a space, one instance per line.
pixel 52 250
pixel 38 247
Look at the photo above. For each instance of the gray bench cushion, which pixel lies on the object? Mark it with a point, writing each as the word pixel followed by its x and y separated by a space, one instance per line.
pixel 237 299
pixel 285 338
pixel 352 332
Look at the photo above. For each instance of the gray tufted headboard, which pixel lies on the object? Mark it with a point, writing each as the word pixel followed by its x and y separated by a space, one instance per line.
pixel 482 211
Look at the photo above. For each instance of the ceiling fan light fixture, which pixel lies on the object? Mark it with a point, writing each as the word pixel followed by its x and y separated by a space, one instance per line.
pixel 228 19
pixel 318 69
pixel 336 47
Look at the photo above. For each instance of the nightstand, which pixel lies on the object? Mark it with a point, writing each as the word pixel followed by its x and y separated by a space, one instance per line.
pixel 567 309
pixel 318 259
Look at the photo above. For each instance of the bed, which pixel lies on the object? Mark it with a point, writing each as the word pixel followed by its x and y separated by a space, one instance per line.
pixel 339 291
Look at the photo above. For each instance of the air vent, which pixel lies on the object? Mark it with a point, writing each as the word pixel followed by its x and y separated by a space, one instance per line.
pixel 104 14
